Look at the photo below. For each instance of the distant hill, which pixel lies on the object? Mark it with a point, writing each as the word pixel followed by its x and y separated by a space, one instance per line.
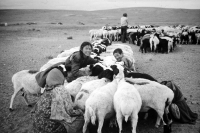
pixel 151 15
pixel 136 15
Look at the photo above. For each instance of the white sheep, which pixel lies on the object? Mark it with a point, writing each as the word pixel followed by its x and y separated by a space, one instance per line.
pixel 108 60
pixel 154 95
pixel 85 91
pixel 170 42
pixel 25 81
pixel 127 104
pixel 154 41
pixel 53 62
pixel 100 103
pixel 75 86
pixel 67 53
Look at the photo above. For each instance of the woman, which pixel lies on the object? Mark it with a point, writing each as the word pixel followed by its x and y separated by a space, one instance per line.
pixel 184 114
pixel 79 60
pixel 54 113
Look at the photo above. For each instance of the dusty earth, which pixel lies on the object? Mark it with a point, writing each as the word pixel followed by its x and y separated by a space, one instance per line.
pixel 32 37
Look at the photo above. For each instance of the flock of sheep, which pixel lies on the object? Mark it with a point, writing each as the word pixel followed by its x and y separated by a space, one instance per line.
pixel 106 90
pixel 158 39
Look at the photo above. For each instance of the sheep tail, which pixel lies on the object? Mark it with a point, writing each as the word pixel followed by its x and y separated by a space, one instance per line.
pixel 92 114
pixel 126 118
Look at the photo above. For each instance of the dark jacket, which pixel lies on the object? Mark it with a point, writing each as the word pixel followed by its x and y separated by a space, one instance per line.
pixel 77 61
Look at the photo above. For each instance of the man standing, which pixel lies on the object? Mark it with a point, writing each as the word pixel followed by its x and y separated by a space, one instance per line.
pixel 124 26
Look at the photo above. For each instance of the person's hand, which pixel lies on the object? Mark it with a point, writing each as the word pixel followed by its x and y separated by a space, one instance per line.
pixel 98 58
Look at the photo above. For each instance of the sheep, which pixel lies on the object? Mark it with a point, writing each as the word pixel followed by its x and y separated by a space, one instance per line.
pixel 85 91
pixel 154 41
pixel 127 103
pixel 105 76
pixel 170 43
pixel 96 69
pixel 75 86
pixel 52 62
pixel 66 53
pixel 139 75
pixel 108 60
pixel 154 95
pixel 25 81
pixel 144 43
pixel 100 103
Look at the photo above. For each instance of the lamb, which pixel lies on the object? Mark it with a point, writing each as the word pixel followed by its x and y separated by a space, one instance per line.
pixel 75 86
pixel 100 103
pixel 127 103
pixel 85 91
pixel 25 81
pixel 154 95
pixel 105 76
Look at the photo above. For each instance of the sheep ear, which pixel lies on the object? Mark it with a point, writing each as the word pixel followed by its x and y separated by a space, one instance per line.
pixel 91 66
pixel 113 67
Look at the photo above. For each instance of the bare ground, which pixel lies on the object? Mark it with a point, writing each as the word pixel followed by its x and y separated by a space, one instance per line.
pixel 24 46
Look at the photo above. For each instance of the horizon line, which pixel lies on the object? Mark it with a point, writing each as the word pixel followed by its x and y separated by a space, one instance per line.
pixel 97 9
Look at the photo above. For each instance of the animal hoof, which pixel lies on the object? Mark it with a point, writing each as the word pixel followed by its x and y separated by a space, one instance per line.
pixel 11 109
pixel 156 126
pixel 30 105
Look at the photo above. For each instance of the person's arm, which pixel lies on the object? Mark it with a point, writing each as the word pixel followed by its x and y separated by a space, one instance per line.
pixel 75 66
pixel 128 64
pixel 92 61
pixel 127 21
pixel 69 106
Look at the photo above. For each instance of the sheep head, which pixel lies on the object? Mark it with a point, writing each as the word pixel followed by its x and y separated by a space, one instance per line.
pixel 118 71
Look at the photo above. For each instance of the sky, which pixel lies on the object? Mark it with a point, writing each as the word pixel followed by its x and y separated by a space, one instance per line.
pixel 91 5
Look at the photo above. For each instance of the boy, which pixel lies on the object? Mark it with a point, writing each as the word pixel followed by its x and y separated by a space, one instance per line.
pixel 119 56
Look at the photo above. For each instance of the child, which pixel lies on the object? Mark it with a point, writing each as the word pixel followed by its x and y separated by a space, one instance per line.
pixel 119 56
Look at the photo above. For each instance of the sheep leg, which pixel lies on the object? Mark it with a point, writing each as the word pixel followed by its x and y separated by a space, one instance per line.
pixel 87 120
pixel 134 121
pixel 119 121
pixel 159 117
pixel 101 120
pixel 12 98
pixel 26 100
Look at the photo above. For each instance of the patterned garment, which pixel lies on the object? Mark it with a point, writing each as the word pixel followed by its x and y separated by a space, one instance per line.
pixel 41 117
pixel 56 107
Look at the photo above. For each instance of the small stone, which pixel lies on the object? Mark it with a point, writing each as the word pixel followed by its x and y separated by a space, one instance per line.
pixel 70 37
pixel 194 102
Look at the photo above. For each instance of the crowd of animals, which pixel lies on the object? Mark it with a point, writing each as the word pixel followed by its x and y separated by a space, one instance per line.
pixel 109 92
pixel 151 38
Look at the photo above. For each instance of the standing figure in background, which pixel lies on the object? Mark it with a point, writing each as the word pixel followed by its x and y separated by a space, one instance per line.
pixel 124 26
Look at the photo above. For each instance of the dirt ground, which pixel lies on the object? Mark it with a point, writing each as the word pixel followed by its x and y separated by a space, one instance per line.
pixel 29 46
